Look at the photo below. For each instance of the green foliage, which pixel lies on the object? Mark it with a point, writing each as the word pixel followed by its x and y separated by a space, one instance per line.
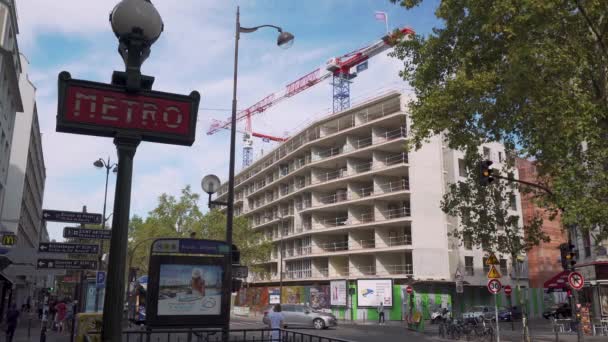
pixel 532 74
pixel 485 216
pixel 179 218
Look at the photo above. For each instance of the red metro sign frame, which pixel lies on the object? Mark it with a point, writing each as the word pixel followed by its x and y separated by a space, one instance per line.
pixel 101 109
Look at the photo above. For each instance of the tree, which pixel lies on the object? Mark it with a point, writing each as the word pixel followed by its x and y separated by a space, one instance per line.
pixel 179 218
pixel 532 74
pixel 485 219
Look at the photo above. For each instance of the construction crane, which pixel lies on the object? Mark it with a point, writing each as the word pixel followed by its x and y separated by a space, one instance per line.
pixel 338 67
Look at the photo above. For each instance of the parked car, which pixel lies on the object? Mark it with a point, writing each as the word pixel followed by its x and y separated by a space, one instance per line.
pixel 303 316
pixel 478 312
pixel 509 314
pixel 558 310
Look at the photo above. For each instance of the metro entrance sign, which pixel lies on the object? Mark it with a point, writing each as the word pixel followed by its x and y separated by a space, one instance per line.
pixel 101 109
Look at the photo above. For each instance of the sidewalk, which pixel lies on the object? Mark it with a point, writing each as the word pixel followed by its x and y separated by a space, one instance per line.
pixel 21 335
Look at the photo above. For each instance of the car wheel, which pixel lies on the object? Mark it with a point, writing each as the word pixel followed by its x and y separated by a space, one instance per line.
pixel 318 324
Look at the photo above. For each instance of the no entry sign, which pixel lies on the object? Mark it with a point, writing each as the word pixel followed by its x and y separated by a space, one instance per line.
pixel 576 280
pixel 409 290
pixel 508 290
pixel 101 109
pixel 494 286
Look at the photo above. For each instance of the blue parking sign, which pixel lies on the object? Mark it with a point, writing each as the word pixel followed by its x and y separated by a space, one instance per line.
pixel 101 279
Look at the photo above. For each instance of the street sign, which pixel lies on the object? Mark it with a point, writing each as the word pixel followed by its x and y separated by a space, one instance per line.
pixel 66 264
pixel 100 279
pixel 459 287
pixel 508 290
pixel 105 110
pixel 494 286
pixel 71 216
pixel 8 239
pixel 576 280
pixel 492 260
pixel 68 248
pixel 239 271
pixel 409 290
pixel 82 233
pixel 493 274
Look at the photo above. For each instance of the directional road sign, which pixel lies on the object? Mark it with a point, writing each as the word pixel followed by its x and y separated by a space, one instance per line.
pixel 66 264
pixel 494 286
pixel 71 216
pixel 492 260
pixel 493 274
pixel 576 280
pixel 71 248
pixel 240 271
pixel 82 233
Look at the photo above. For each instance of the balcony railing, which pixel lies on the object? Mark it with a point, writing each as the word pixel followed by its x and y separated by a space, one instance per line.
pixel 367 270
pixel 369 217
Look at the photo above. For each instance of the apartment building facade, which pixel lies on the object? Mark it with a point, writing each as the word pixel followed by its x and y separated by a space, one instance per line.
pixel 342 199
pixel 10 98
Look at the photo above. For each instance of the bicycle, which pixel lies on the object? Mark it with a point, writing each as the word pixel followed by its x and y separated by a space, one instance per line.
pixel 484 332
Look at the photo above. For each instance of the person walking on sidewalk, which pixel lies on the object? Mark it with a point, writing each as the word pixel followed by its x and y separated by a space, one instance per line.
pixel 276 321
pixel 381 313
pixel 12 317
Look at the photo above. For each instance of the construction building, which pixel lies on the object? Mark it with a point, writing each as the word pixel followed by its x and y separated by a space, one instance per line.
pixel 342 199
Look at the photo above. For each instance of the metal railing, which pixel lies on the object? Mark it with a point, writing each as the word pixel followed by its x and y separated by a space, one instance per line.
pixel 214 335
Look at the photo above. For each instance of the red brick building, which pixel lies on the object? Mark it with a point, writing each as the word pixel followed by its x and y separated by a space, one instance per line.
pixel 543 260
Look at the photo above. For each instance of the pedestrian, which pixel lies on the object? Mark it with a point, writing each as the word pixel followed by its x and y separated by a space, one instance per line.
pixel 381 313
pixel 276 322
pixel 62 310
pixel 40 308
pixel 12 316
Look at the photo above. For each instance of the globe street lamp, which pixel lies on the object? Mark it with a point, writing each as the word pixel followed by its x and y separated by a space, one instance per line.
pixel 284 40
pixel 137 26
pixel 100 163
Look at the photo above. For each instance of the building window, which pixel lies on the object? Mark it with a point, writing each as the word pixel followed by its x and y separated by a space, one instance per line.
pixel 468 242
pixel 513 202
pixel 486 268
pixel 503 267
pixel 587 245
pixel 462 168
pixel 486 153
pixel 468 266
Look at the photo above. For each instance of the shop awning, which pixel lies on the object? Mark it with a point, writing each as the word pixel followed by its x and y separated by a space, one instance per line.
pixel 558 281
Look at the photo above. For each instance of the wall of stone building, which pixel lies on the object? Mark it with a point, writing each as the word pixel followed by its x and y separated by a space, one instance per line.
pixel 544 259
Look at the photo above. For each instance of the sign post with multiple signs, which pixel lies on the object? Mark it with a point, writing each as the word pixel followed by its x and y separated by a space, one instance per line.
pixel 494 286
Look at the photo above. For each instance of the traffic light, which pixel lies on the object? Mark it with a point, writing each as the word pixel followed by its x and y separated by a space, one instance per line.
pixel 485 172
pixel 568 255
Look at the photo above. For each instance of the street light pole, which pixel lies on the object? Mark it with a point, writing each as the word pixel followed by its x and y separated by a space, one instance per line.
pixel 107 165
pixel 284 39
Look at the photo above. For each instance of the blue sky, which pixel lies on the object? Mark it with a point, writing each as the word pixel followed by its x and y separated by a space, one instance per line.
pixel 195 52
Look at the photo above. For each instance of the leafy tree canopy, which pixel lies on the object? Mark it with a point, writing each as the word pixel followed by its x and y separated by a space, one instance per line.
pixel 179 217
pixel 532 74
pixel 487 219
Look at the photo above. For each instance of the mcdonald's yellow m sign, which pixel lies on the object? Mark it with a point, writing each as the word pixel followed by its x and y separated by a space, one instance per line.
pixel 9 239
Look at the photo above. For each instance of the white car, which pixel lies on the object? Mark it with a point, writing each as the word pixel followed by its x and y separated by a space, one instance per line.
pixel 479 312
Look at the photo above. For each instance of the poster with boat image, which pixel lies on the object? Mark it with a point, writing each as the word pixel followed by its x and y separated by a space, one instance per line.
pixel 189 290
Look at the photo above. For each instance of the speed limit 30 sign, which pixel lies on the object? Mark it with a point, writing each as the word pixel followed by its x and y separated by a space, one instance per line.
pixel 494 286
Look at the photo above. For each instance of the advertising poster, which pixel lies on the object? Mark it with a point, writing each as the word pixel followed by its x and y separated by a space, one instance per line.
pixel 189 290
pixel 604 300
pixel 372 292
pixel 338 292
pixel 293 295
pixel 319 297
pixel 274 296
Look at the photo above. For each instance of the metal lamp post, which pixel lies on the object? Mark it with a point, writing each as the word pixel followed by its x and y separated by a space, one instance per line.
pixel 137 25
pixel 101 163
pixel 284 40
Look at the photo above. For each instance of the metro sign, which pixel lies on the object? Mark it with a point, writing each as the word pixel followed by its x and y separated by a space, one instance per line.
pixel 101 109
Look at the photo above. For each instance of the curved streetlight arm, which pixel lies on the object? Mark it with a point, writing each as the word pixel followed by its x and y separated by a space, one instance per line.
pixel 253 29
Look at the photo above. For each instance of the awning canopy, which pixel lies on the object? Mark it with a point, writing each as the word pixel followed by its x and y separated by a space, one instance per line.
pixel 558 281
